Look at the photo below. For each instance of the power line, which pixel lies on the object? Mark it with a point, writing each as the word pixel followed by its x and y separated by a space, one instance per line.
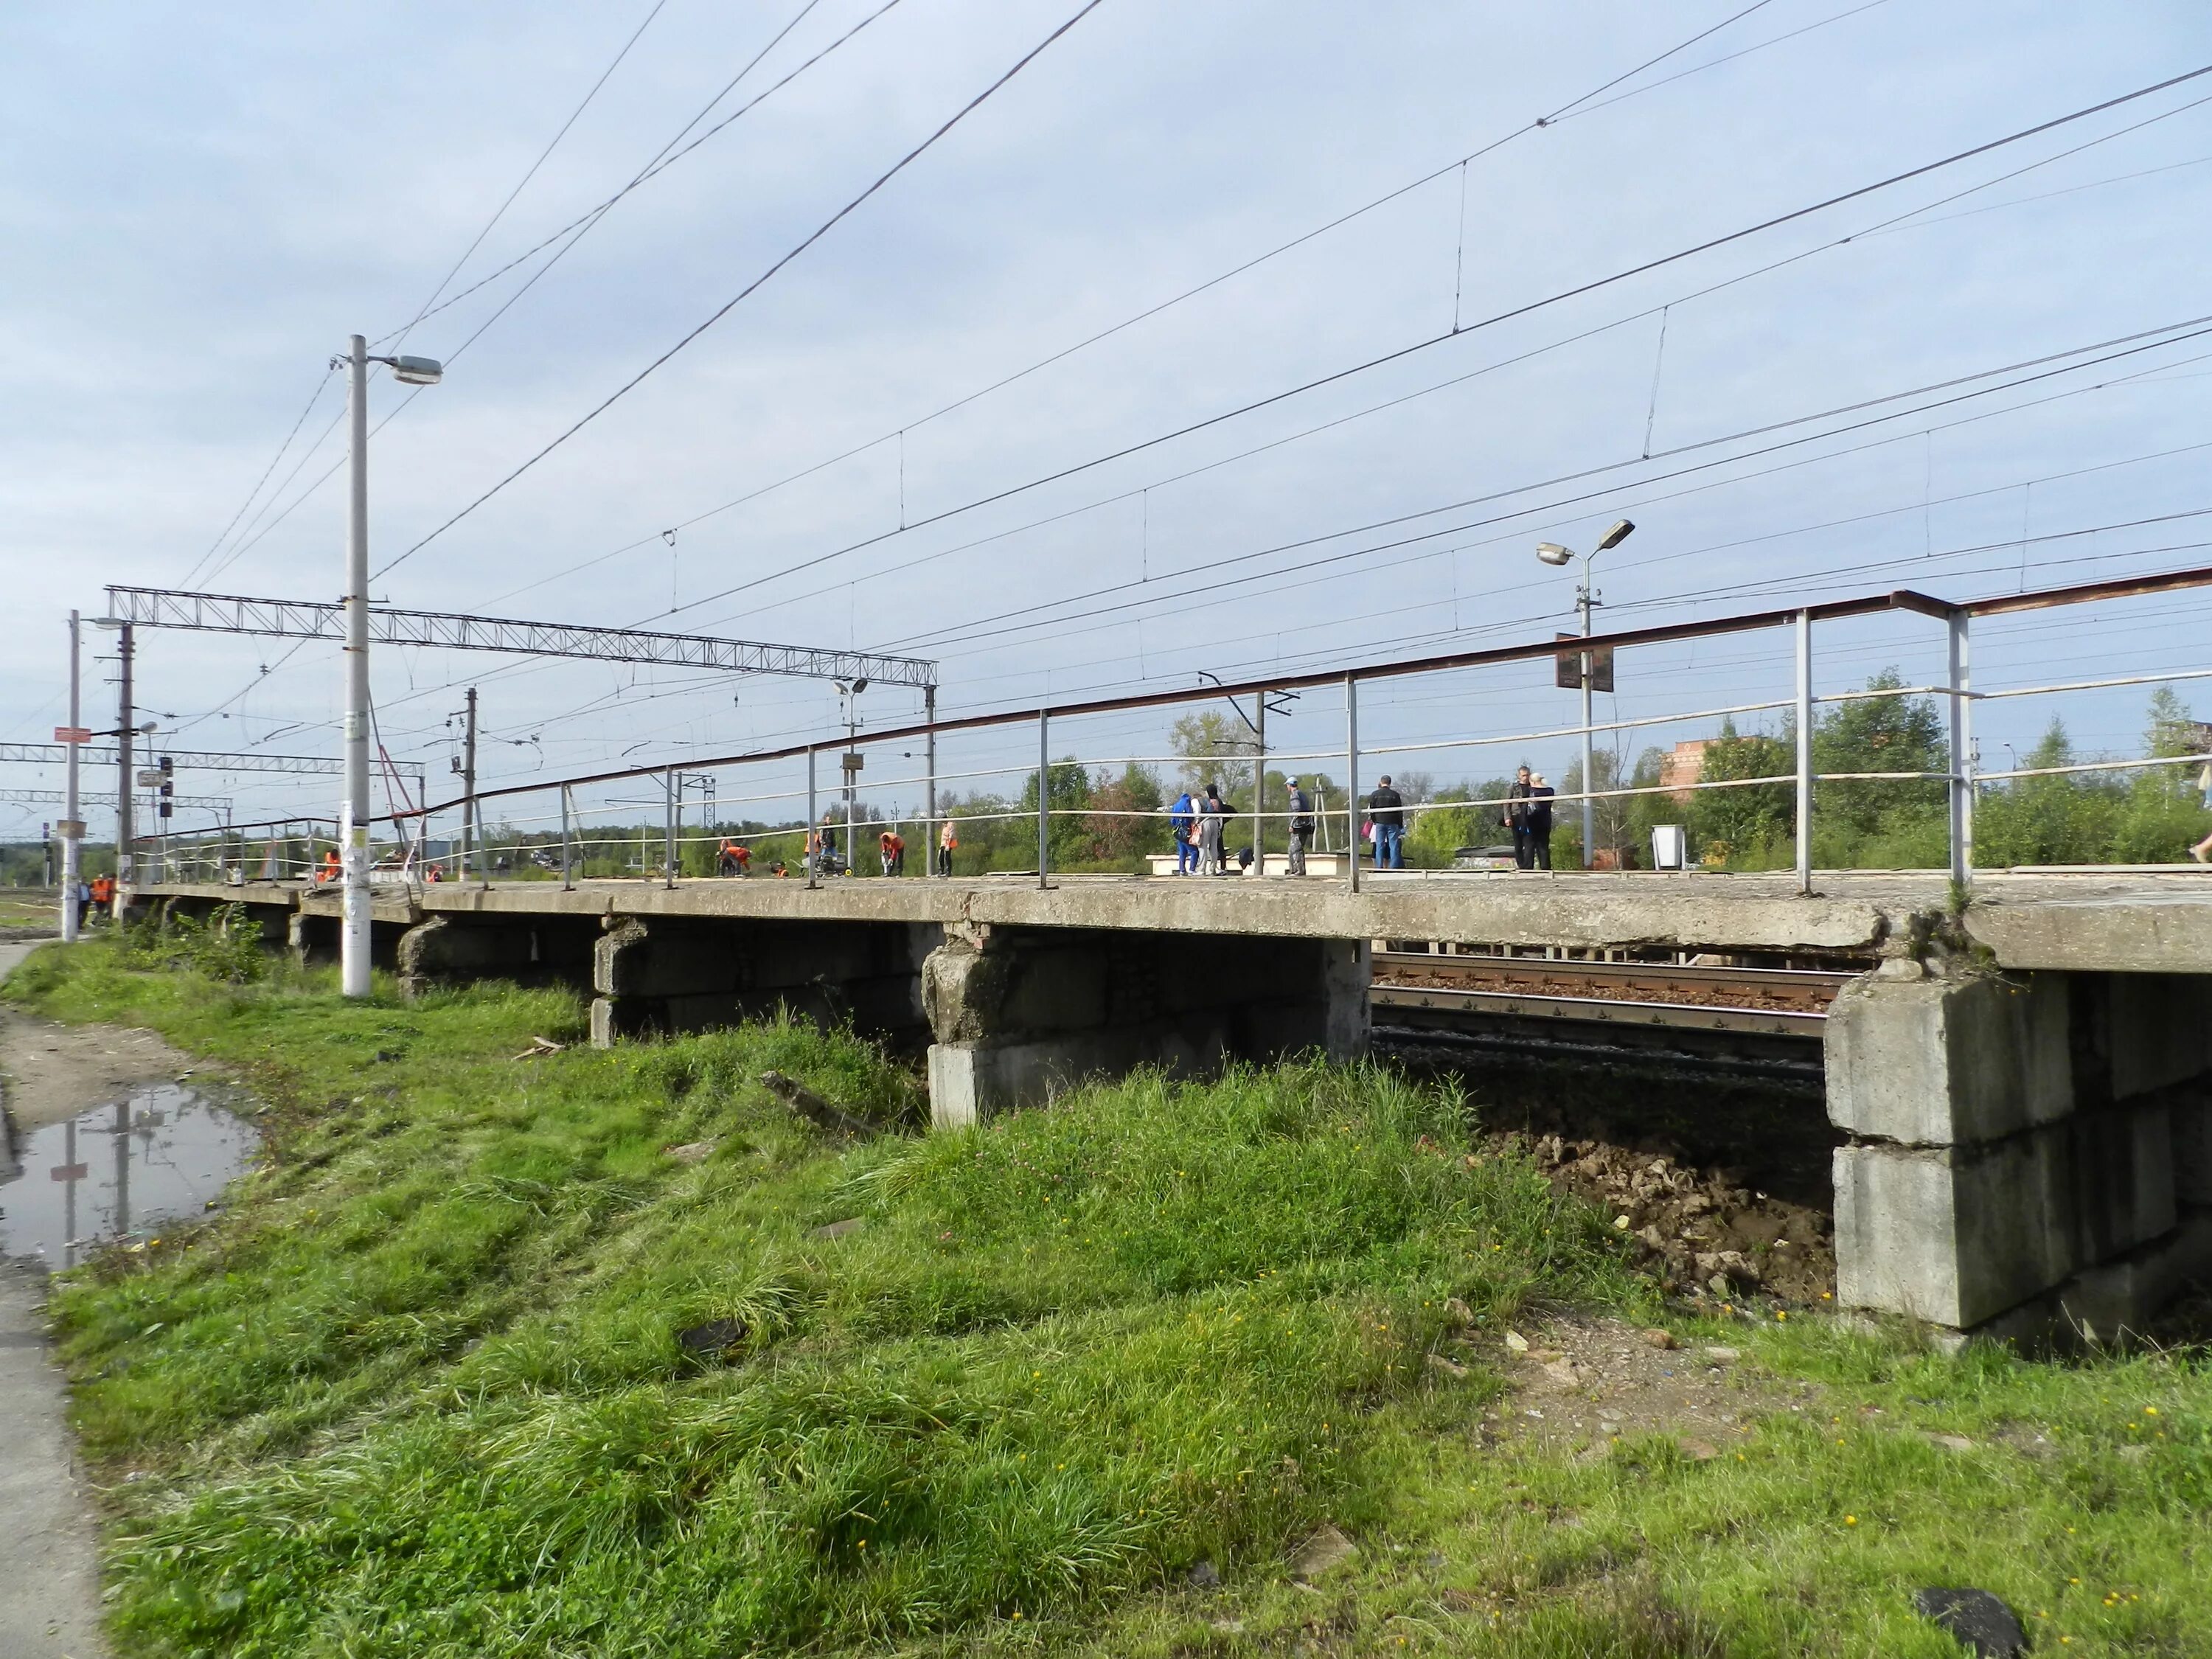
pixel 316 396
pixel 2195 326
pixel 574 116
pixel 591 220
pixel 1149 312
pixel 1560 297
pixel 662 161
pixel 821 231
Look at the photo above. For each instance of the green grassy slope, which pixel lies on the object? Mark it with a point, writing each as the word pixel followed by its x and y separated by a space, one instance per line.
pixel 421 1390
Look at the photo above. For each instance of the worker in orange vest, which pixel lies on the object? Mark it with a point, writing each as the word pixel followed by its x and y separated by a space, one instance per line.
pixel 734 857
pixel 332 869
pixel 103 896
pixel 892 846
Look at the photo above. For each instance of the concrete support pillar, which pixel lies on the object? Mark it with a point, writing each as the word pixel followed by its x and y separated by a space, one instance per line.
pixel 2028 1152
pixel 445 951
pixel 1019 1015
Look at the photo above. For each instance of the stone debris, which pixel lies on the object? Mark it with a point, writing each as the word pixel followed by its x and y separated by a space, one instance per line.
pixel 1697 1225
pixel 836 1229
pixel 1458 1312
pixel 1515 1341
pixel 1206 1576
pixel 1985 1625
pixel 1951 1441
pixel 1721 1355
pixel 1452 1368
pixel 1659 1338
pixel 692 1152
pixel 1326 1549
pixel 1698 1451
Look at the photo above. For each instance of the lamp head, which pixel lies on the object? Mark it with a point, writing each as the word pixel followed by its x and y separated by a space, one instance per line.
pixel 860 685
pixel 417 371
pixel 1614 537
pixel 1552 553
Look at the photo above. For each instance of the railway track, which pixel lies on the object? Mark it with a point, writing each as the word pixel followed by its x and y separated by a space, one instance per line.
pixel 1771 1001
pixel 1763 1016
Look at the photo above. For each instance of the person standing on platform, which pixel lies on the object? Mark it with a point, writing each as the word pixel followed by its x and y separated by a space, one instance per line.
pixel 1302 828
pixel 947 839
pixel 1386 810
pixel 1516 818
pixel 1183 824
pixel 1209 816
pixel 1540 823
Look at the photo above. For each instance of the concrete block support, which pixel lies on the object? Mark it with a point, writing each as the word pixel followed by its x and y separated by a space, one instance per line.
pixel 2025 1149
pixel 1021 1014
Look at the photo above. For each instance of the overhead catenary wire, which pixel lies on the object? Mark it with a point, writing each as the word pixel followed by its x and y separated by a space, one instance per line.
pixel 663 159
pixel 752 287
pixel 1398 354
pixel 669 154
pixel 2128 345
pixel 522 182
pixel 1458 165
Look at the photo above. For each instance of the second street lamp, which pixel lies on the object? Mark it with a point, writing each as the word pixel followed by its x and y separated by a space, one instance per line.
pixel 1587 599
pixel 354 815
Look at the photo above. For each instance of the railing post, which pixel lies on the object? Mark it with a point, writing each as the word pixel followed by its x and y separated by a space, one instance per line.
pixel 1962 753
pixel 1804 752
pixel 1259 786
pixel 668 857
pixel 1351 776
pixel 806 852
pixel 929 747
pixel 1044 796
pixel 568 882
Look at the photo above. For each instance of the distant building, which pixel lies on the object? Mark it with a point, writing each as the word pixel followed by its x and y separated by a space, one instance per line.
pixel 1678 772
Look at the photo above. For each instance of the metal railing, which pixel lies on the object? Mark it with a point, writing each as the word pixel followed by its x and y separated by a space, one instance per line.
pixel 807 845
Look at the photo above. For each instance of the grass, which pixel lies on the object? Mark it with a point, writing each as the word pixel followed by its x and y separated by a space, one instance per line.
pixel 421 1390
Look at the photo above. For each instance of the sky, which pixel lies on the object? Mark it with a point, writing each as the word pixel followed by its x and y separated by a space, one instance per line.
pixel 200 205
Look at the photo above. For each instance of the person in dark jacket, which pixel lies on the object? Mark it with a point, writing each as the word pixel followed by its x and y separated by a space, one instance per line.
pixel 1386 810
pixel 1516 818
pixel 1540 823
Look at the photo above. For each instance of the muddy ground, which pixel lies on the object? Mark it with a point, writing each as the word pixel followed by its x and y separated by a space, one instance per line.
pixel 49 1073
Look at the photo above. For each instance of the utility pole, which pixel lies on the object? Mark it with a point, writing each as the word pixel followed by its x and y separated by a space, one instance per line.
pixel 353 816
pixel 469 790
pixel 1259 786
pixel 1586 600
pixel 125 781
pixel 72 828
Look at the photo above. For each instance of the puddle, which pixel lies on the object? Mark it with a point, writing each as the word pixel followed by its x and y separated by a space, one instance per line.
pixel 118 1172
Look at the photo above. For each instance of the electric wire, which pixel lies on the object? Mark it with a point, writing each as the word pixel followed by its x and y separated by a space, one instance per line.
pixel 1147 313
pixel 1402 352
pixel 821 231
pixel 499 212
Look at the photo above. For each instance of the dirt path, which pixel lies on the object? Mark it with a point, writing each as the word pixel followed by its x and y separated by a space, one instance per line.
pixel 50 1595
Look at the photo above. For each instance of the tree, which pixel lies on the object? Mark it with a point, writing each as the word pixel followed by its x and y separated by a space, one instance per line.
pixel 1880 733
pixel 1205 737
pixel 1068 833
pixel 1116 838
pixel 1748 825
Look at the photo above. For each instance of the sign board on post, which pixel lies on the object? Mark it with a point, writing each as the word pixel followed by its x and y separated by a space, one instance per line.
pixel 149 777
pixel 70 828
pixel 853 763
pixel 1568 674
pixel 72 734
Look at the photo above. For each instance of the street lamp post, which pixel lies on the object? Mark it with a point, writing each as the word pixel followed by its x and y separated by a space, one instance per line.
pixel 353 818
pixel 72 827
pixel 1587 598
